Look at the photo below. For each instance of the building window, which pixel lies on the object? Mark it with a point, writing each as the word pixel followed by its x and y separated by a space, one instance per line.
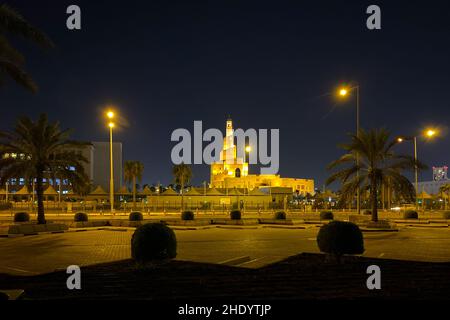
pixel 237 173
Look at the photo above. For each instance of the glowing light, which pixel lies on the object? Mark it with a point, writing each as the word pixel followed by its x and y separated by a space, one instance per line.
pixel 430 133
pixel 248 149
pixel 111 124
pixel 343 92
pixel 399 139
pixel 110 114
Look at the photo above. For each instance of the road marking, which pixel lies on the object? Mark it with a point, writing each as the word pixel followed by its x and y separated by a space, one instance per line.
pixel 382 254
pixel 236 261
pixel 20 270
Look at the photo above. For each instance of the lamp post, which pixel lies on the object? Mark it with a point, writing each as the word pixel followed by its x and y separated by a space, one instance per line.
pixel 343 92
pixel 110 115
pixel 429 133
pixel 248 149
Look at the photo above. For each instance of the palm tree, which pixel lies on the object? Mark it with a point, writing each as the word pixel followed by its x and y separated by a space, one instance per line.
pixel 133 171
pixel 445 188
pixel 35 150
pixel 378 165
pixel 183 175
pixel 11 60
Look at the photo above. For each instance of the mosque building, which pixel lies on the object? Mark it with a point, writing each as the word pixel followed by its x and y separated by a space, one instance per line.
pixel 234 173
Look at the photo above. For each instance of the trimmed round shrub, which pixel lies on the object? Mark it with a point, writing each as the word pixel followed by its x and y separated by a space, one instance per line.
pixel 4 296
pixel 367 212
pixel 410 214
pixel 280 215
pixel 153 242
pixel 326 215
pixel 135 216
pixel 339 237
pixel 446 215
pixel 235 215
pixel 21 217
pixel 187 215
pixel 80 217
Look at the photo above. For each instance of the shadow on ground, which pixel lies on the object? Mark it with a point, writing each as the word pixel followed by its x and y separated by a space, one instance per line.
pixel 304 276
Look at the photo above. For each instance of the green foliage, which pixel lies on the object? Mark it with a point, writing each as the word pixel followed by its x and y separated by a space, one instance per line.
pixel 182 174
pixel 187 215
pixel 43 151
pixel 153 241
pixel 280 215
pixel 379 166
pixel 235 215
pixel 80 217
pixel 326 215
pixel 132 172
pixel 11 60
pixel 135 216
pixel 21 217
pixel 339 237
pixel 410 214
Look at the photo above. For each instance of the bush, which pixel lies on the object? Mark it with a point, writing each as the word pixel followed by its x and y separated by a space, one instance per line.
pixel 410 214
pixel 235 215
pixel 367 212
pixel 339 237
pixel 153 241
pixel 446 215
pixel 135 216
pixel 280 215
pixel 187 215
pixel 5 206
pixel 80 217
pixel 326 215
pixel 21 217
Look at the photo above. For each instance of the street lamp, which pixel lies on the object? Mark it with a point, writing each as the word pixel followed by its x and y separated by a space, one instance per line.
pixel 428 133
pixel 110 115
pixel 344 92
pixel 248 149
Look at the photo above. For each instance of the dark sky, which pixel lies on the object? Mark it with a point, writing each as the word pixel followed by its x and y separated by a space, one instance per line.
pixel 268 64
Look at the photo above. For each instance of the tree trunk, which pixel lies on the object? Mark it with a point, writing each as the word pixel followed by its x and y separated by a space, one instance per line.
pixel 182 194
pixel 134 192
pixel 40 196
pixel 374 198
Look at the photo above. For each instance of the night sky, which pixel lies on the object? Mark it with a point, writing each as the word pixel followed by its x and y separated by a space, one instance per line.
pixel 269 65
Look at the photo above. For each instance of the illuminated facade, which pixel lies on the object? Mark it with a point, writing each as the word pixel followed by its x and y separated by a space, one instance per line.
pixel 233 172
pixel 97 168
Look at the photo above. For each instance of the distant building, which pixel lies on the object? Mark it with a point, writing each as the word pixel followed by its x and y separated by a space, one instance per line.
pixel 97 168
pixel 234 173
pixel 439 179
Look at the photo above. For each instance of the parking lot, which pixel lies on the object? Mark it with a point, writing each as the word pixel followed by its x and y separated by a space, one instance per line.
pixel 257 246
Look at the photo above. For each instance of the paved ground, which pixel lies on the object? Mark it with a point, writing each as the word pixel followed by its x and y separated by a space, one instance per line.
pixel 45 253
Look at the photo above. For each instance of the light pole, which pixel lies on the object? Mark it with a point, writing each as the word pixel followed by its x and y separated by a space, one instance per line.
pixel 248 149
pixel 6 191
pixel 343 92
pixel 429 133
pixel 110 115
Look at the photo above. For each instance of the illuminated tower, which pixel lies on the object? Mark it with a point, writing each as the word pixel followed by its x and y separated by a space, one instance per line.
pixel 229 166
pixel 228 153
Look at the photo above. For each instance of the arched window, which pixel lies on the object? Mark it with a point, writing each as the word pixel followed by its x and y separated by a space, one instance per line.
pixel 237 173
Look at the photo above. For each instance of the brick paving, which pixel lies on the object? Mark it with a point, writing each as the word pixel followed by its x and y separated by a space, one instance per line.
pixel 44 253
